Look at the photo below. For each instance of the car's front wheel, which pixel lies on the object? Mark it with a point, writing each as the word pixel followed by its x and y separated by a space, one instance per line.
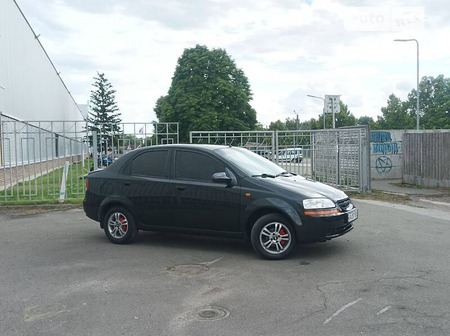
pixel 119 226
pixel 273 237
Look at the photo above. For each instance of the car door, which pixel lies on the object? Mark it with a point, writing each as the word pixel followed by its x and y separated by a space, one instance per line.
pixel 200 203
pixel 147 187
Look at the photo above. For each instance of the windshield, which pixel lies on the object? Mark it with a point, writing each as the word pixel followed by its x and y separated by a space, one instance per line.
pixel 250 163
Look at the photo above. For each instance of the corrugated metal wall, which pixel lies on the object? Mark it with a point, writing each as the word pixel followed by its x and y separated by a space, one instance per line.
pixel 30 86
pixel 426 159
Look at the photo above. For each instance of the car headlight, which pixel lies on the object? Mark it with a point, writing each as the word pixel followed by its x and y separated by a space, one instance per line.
pixel 320 207
pixel 318 203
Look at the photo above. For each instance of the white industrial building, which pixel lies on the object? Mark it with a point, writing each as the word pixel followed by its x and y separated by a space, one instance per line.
pixel 30 85
pixel 31 92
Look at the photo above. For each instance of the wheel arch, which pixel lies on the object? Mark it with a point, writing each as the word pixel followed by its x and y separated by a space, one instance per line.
pixel 269 206
pixel 113 201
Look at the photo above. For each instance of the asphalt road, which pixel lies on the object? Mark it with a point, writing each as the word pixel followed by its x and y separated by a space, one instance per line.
pixel 59 275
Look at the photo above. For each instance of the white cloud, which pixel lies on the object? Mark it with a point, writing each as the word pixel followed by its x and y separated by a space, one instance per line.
pixel 287 49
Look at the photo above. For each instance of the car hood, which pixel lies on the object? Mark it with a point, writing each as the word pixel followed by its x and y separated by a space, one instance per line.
pixel 308 188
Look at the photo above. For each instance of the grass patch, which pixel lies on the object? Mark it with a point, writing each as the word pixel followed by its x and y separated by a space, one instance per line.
pixel 45 189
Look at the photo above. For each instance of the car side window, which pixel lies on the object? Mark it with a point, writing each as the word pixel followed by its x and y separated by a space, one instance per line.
pixel 196 166
pixel 151 164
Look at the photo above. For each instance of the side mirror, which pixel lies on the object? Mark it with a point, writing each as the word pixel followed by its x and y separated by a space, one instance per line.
pixel 222 177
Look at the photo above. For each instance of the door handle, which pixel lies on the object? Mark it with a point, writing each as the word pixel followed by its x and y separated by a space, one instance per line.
pixel 127 183
pixel 180 187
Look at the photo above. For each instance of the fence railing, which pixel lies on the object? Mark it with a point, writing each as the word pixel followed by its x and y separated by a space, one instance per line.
pixel 33 154
pixel 339 157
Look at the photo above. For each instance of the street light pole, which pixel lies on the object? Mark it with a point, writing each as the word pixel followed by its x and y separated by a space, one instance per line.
pixel 417 84
pixel 296 122
pixel 317 97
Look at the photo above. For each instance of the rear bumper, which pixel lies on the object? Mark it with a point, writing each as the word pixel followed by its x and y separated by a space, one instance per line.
pixel 90 211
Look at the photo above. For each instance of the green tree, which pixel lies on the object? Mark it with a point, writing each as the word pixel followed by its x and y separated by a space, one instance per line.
pixel 104 118
pixel 366 120
pixel 434 107
pixel 291 124
pixel 208 92
pixel 344 117
pixel 395 115
pixel 434 103
pixel 277 126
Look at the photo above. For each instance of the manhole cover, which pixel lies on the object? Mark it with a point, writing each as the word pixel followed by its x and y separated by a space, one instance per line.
pixel 189 269
pixel 212 313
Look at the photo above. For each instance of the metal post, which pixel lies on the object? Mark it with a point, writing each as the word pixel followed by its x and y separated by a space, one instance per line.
pixel 334 117
pixel 95 149
pixel 418 92
pixel 417 80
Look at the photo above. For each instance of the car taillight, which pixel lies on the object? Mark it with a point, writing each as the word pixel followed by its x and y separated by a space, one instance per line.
pixel 87 183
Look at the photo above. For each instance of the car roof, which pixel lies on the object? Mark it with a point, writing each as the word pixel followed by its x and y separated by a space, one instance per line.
pixel 117 165
pixel 202 146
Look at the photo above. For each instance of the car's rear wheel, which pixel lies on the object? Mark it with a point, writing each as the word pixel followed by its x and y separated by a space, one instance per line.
pixel 273 237
pixel 119 225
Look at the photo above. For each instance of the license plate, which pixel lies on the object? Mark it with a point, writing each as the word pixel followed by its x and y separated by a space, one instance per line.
pixel 352 215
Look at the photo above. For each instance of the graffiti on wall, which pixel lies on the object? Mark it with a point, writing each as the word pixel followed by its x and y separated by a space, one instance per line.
pixel 381 143
pixel 383 164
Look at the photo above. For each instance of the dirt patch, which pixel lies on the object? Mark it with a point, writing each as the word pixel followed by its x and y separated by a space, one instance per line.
pixel 382 196
pixel 32 210
pixel 439 202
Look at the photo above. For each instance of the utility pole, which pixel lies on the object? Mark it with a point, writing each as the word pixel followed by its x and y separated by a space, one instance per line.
pixel 296 122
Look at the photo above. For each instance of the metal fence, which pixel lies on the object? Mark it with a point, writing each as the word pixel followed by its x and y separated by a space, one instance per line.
pixel 33 154
pixel 339 157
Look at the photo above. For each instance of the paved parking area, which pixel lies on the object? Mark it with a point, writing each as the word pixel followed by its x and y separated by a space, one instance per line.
pixel 59 275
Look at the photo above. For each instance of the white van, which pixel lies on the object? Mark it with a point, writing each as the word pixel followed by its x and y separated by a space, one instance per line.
pixel 290 155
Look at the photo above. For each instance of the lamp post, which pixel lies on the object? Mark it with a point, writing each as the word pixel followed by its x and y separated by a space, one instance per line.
pixel 317 97
pixel 296 122
pixel 417 88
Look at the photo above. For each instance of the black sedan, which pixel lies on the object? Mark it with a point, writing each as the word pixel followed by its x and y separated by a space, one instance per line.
pixel 218 190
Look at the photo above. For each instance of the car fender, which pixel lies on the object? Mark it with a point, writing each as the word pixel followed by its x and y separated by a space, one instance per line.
pixel 113 200
pixel 277 204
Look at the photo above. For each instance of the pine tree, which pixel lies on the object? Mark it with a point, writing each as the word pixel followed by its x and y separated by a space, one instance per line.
pixel 104 118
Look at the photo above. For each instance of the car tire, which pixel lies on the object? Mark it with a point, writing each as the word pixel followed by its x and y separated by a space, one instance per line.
pixel 119 225
pixel 273 237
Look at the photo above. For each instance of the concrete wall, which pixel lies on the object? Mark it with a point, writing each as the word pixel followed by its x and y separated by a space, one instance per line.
pixel 386 154
pixel 420 162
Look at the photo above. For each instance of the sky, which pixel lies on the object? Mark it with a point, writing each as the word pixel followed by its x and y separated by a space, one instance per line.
pixel 288 49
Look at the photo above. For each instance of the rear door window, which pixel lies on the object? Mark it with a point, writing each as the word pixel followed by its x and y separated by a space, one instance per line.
pixel 151 164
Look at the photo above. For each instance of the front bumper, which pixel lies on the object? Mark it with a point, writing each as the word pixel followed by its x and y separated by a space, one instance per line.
pixel 319 229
